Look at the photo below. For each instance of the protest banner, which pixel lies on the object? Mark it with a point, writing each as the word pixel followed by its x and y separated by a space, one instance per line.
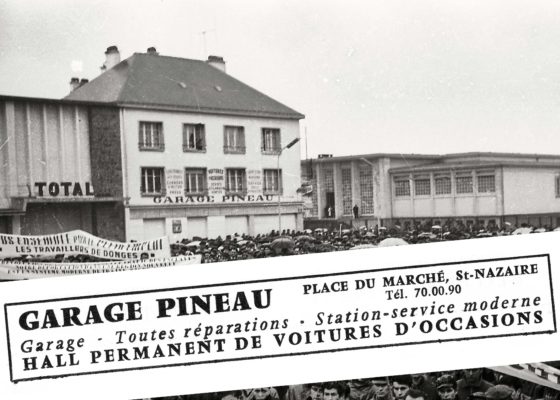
pixel 414 303
pixel 78 242
pixel 14 270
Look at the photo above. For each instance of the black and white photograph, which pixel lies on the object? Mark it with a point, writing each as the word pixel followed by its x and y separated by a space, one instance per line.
pixel 518 382
pixel 142 138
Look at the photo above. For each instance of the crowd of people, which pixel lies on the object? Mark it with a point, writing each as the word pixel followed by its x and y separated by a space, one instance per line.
pixel 320 240
pixel 467 384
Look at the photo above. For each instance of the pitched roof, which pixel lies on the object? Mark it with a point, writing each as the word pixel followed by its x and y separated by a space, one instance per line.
pixel 154 81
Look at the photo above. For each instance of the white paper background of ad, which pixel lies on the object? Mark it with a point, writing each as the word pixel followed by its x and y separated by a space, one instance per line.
pixel 286 370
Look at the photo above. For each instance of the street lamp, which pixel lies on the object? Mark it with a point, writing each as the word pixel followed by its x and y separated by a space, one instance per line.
pixel 293 142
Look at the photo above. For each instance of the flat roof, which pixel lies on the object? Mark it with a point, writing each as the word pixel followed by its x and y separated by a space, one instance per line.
pixel 439 158
pixel 376 155
pixel 54 101
pixel 473 165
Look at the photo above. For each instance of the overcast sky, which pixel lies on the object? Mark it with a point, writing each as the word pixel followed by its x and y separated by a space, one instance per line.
pixel 370 76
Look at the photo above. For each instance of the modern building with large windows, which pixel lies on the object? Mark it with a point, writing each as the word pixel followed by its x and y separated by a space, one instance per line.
pixel 407 189
pixel 203 154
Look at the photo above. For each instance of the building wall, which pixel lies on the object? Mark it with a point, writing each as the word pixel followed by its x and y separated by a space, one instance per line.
pixel 530 191
pixel 452 205
pixel 49 150
pixel 213 214
pixel 42 142
pixel 105 151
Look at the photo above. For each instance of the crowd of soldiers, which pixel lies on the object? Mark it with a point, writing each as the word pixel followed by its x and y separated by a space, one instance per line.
pixel 467 384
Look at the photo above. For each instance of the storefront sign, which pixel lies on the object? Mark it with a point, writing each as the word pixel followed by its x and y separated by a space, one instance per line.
pixel 63 189
pixel 81 243
pixel 174 182
pixel 216 182
pixel 254 181
pixel 234 198
pixel 177 227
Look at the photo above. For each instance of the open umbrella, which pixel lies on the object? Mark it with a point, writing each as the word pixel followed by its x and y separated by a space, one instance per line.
pixel 522 231
pixel 428 235
pixel 436 227
pixel 196 243
pixel 392 242
pixel 282 243
pixel 305 238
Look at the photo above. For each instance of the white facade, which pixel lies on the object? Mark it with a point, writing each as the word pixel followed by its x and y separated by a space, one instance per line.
pixel 214 213
pixel 475 188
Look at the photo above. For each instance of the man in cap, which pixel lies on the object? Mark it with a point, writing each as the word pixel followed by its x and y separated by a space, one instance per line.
pixel 446 387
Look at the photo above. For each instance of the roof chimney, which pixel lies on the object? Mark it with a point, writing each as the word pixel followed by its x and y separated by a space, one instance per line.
pixel 112 58
pixel 152 51
pixel 74 84
pixel 217 62
pixel 83 81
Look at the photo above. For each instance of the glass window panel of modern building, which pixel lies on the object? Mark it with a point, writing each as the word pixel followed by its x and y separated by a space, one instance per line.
pixel 486 182
pixel 236 181
pixel 234 140
pixel 152 181
pixel 195 181
pixel 271 140
pixel 150 136
pixel 272 181
pixel 422 185
pixel 402 186
pixel 464 183
pixel 366 191
pixel 346 191
pixel 442 184
pixel 194 138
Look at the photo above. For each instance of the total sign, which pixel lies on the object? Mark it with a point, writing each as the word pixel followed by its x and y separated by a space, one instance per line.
pixel 63 189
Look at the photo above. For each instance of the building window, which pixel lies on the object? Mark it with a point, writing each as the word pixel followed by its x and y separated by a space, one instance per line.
pixel 422 185
pixel 486 182
pixel 464 183
pixel 150 136
pixel 271 141
pixel 347 191
pixel 195 181
pixel 236 181
pixel 366 191
pixel 272 181
pixel 402 186
pixel 557 186
pixel 442 183
pixel 328 180
pixel 152 181
pixel 193 137
pixel 234 140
